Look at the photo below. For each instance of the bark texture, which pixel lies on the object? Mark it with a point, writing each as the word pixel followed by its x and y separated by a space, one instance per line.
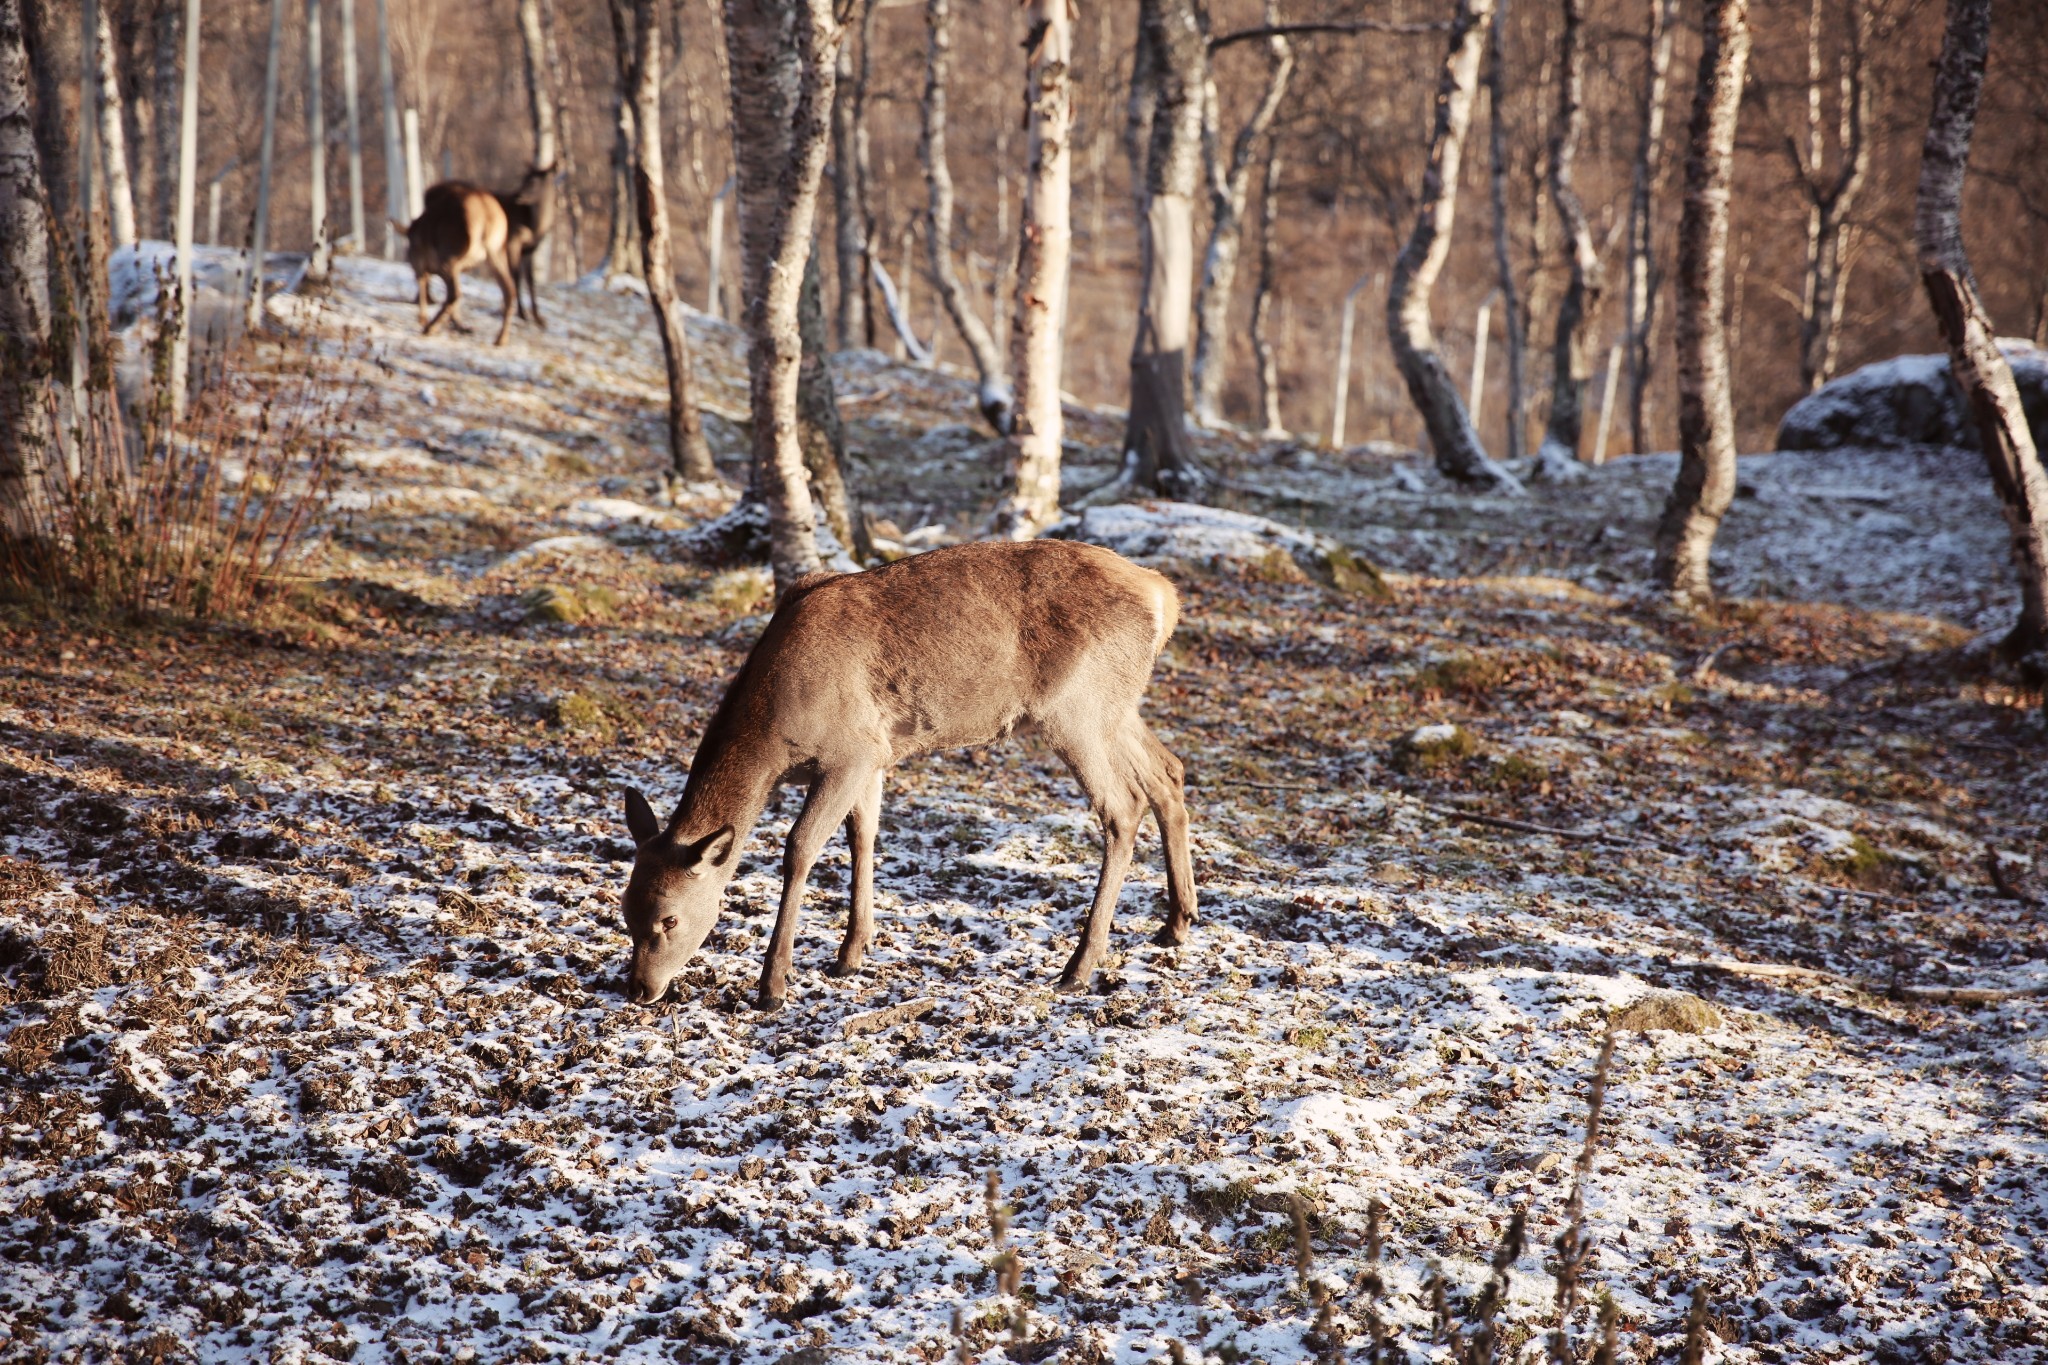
pixel 320 258
pixel 622 251
pixel 1459 453
pixel 1164 136
pixel 995 398
pixel 1229 188
pixel 1263 354
pixel 1831 198
pixel 259 242
pixel 849 198
pixel 822 433
pixel 119 185
pixel 164 116
pixel 689 456
pixel 1572 353
pixel 26 319
pixel 1503 256
pixel 782 59
pixel 1979 368
pixel 1045 242
pixel 1706 408
pixel 540 100
pixel 1639 306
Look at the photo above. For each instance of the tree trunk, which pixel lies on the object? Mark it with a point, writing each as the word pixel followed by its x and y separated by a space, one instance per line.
pixel 568 87
pixel 1459 453
pixel 1979 368
pixel 180 376
pixel 821 432
pixel 76 274
pixel 1640 305
pixel 1706 408
pixel 1166 129
pixel 259 243
pixel 29 368
pixel 1503 257
pixel 113 146
pixel 689 456
pixel 166 115
pixel 316 146
pixel 864 179
pixel 849 207
pixel 1045 243
pixel 1572 352
pixel 1830 202
pixel 540 103
pixel 622 251
pixel 1262 301
pixel 397 204
pixel 1228 189
pixel 995 398
pixel 782 62
pixel 352 112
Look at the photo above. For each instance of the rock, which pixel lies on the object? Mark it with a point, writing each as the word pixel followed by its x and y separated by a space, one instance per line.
pixel 1907 400
pixel 1676 1011
pixel 1431 748
pixel 1153 532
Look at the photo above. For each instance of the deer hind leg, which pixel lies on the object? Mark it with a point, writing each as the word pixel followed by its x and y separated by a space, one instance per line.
pixel 861 822
pixel 1119 803
pixel 452 306
pixel 425 298
pixel 832 797
pixel 1162 775
pixel 510 288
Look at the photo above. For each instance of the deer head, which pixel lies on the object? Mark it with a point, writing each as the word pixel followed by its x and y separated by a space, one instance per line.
pixel 673 895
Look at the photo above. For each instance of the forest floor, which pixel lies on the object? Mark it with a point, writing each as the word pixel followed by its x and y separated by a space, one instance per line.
pixel 310 950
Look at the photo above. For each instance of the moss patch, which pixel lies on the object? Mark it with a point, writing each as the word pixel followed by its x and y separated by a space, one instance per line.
pixel 1433 748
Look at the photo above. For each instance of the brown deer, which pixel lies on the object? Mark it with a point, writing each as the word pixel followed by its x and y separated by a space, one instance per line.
pixel 529 214
pixel 856 672
pixel 460 227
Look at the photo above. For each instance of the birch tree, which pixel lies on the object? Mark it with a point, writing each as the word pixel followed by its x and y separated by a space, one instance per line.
pixel 622 249
pixel 397 203
pixel 1229 186
pixel 1045 241
pixel 1572 353
pixel 849 188
pixel 994 398
pixel 1265 360
pixel 1459 453
pixel 317 260
pixel 1503 256
pixel 164 115
pixel 27 366
pixel 1706 408
pixel 819 428
pixel 180 378
pixel 1830 198
pixel 1639 304
pixel 120 186
pixel 540 104
pixel 783 62
pixel 689 455
pixel 259 242
pixel 1979 368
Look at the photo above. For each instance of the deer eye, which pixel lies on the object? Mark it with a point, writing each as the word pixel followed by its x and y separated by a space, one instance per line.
pixel 668 925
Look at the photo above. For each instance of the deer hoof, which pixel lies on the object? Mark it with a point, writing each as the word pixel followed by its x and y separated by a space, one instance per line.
pixel 767 1003
pixel 842 970
pixel 1170 935
pixel 1073 985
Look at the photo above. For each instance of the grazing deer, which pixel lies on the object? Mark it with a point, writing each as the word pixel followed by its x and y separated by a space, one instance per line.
pixel 857 672
pixel 460 227
pixel 529 214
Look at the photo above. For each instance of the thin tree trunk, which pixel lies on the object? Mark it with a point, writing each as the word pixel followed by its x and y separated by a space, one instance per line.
pixel 714 252
pixel 1706 407
pixel 316 145
pixel 782 63
pixel 1228 189
pixel 821 432
pixel 1262 301
pixel 1640 305
pixel 166 116
pixel 863 173
pixel 568 88
pixel 113 135
pixel 689 455
pixel 1503 257
pixel 1165 129
pixel 540 104
pixel 397 204
pixel 259 242
pixel 72 244
pixel 180 377
pixel 28 368
pixel 1571 370
pixel 1459 453
pixel 1830 202
pixel 1979 368
pixel 1045 243
pixel 622 251
pixel 352 111
pixel 995 399
pixel 850 213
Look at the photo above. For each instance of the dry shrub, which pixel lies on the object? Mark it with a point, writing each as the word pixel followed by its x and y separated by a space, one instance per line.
pixel 75 958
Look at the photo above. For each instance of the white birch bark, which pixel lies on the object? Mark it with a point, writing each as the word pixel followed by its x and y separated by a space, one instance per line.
pixel 1640 302
pixel 540 103
pixel 1977 365
pixel 120 187
pixel 1263 355
pixel 27 367
pixel 1459 453
pixel 1044 247
pixel 181 213
pixel 316 146
pixel 622 250
pixel 260 241
pixel 397 205
pixel 1706 407
pixel 1831 199
pixel 352 113
pixel 1572 351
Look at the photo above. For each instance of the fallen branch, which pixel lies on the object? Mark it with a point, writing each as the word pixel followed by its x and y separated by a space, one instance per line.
pixel 1519 826
pixel 875 1021
pixel 1928 995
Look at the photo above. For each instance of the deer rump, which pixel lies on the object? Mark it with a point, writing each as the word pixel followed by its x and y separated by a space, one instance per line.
pixel 857 672
pixel 460 227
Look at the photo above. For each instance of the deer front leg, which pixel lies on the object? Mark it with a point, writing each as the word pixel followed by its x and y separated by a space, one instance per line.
pixel 424 299
pixel 832 796
pixel 1119 837
pixel 861 823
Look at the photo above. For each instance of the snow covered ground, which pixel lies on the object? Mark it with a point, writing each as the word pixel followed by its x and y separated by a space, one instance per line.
pixel 310 950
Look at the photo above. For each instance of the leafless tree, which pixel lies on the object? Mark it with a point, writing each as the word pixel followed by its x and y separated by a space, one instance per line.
pixel 622 250
pixel 849 186
pixel 1503 256
pixel 569 89
pixel 1044 246
pixel 1271 427
pixel 27 365
pixel 164 114
pixel 397 202
pixel 187 105
pixel 259 239
pixel 113 147
pixel 1640 302
pixel 1830 199
pixel 1978 366
pixel 320 257
pixel 783 64
pixel 689 455
pixel 1229 185
pixel 995 398
pixel 1706 407
pixel 1459 453
pixel 819 428
pixel 1572 354
pixel 541 103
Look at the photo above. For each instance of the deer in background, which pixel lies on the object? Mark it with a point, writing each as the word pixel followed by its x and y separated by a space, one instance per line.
pixel 529 215
pixel 857 672
pixel 460 227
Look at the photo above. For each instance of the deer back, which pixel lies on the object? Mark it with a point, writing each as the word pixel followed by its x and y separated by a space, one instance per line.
pixel 458 227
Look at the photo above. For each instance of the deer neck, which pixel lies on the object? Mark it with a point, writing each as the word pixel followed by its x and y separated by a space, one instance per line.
pixel 730 783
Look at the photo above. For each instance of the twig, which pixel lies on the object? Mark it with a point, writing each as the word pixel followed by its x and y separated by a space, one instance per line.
pixel 874 1021
pixel 1932 995
pixel 1352 26
pixel 1572 1247
pixel 1503 822
pixel 1707 661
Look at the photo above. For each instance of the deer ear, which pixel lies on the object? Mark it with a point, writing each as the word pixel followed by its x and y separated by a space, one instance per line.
pixel 640 817
pixel 713 849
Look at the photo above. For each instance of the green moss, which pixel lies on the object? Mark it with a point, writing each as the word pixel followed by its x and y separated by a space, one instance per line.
pixel 1513 773
pixel 564 604
pixel 1865 864
pixel 1468 675
pixel 739 591
pixel 582 715
pixel 1434 748
pixel 1349 573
